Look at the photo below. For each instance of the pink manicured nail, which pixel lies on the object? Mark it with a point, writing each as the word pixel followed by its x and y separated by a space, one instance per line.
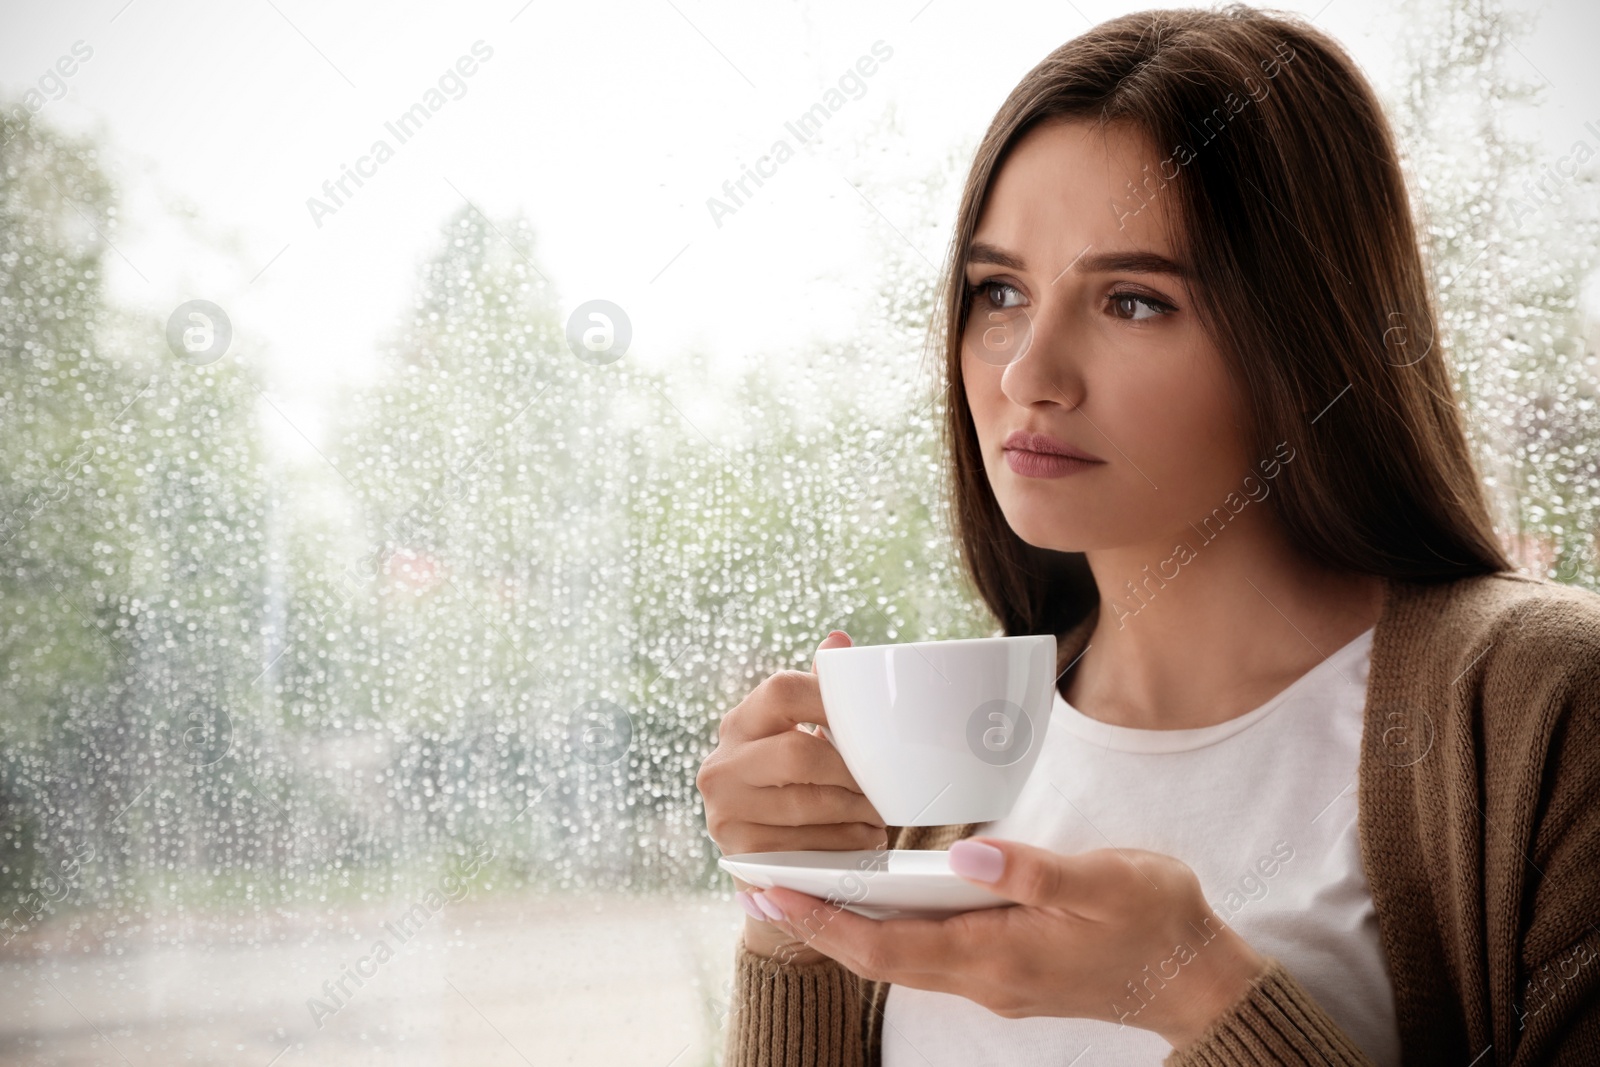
pixel 750 906
pixel 772 910
pixel 974 859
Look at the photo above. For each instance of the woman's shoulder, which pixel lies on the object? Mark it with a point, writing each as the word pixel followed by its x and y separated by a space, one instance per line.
pixel 1504 662
pixel 1508 621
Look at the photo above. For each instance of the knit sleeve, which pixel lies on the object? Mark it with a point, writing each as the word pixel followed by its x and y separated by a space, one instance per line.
pixel 1555 1004
pixel 1275 1022
pixel 790 1014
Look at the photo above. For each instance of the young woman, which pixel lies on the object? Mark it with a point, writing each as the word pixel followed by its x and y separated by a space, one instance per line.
pixel 1319 782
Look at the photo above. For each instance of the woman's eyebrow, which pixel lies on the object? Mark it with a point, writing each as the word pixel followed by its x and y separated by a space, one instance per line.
pixel 983 252
pixel 1134 262
pixel 1125 262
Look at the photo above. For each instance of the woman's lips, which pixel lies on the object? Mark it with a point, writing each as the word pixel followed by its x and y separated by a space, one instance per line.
pixel 1036 441
pixel 1038 455
pixel 1045 464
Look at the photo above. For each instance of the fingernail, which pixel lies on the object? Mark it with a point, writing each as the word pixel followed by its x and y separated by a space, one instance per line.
pixel 749 906
pixel 772 910
pixel 974 859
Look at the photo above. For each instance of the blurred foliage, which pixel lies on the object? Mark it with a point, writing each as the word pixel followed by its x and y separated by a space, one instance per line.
pixel 304 680
pixel 1512 250
pixel 132 547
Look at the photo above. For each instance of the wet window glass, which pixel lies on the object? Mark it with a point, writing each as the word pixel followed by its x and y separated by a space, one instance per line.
pixel 354 678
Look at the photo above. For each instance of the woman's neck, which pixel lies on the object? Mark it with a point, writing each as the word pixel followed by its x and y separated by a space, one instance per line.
pixel 1199 633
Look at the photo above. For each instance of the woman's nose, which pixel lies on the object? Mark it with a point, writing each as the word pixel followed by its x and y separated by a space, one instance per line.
pixel 1043 364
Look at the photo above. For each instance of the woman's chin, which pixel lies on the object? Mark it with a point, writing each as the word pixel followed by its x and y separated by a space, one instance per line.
pixel 1044 530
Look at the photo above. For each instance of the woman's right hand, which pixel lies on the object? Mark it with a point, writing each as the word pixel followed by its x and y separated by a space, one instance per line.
pixel 771 786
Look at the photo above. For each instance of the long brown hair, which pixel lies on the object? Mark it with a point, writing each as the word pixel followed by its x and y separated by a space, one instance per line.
pixel 1311 284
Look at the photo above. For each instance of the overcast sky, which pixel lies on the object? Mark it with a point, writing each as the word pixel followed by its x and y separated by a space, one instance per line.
pixel 608 124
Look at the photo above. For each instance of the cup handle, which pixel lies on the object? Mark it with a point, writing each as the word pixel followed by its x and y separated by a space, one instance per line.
pixel 820 730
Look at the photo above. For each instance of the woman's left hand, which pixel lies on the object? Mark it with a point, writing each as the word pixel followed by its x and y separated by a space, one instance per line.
pixel 1122 935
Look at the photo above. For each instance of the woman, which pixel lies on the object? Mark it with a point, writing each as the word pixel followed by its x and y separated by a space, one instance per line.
pixel 1318 785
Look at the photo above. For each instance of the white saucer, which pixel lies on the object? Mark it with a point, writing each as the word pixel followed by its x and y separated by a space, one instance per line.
pixel 893 884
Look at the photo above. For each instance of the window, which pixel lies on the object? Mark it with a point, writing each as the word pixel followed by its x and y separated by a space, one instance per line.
pixel 353 714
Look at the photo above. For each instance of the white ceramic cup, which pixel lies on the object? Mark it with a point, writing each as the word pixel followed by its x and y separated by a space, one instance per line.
pixel 939 732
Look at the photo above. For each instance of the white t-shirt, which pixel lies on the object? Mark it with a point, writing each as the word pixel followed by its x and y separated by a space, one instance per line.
pixel 1262 807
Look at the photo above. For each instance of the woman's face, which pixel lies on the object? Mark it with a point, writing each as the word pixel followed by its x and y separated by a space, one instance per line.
pixel 1072 335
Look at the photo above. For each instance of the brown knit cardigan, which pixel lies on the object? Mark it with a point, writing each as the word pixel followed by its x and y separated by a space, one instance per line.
pixel 1479 822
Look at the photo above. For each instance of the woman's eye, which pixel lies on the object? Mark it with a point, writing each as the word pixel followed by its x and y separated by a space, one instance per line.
pixel 996 295
pixel 1124 306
